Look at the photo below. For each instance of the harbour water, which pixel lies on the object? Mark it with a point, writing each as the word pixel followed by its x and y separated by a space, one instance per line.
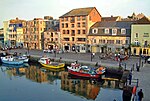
pixel 34 83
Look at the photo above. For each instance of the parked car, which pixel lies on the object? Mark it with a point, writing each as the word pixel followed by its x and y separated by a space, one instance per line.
pixel 148 60
pixel 47 51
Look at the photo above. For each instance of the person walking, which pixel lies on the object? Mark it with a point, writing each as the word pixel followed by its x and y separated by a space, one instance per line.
pixel 140 95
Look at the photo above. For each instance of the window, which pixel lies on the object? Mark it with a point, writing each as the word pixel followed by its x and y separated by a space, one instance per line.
pixel 114 31
pixel 72 20
pixel 123 31
pixel 72 38
pixel 94 30
pixel 94 40
pixel 126 42
pixel 62 25
pixel 83 17
pixel 136 42
pixel 83 24
pixel 78 18
pixel 67 31
pixel 78 31
pixel 146 35
pixel 72 25
pixel 118 41
pixel 63 31
pixel 83 32
pixel 66 39
pixel 66 25
pixel 66 19
pixel 136 35
pixel 106 30
pixel 145 43
pixel 78 24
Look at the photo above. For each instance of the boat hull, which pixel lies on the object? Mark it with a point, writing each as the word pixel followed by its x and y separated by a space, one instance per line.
pixel 61 65
pixel 12 62
pixel 87 75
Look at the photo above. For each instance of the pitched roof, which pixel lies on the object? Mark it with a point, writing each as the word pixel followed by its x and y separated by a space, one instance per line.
pixel 143 20
pixel 78 12
pixel 110 18
pixel 119 24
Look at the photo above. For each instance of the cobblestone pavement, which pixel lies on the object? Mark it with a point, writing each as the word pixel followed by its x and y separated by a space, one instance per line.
pixel 143 75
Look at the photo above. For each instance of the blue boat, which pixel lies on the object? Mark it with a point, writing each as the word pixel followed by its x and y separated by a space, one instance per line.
pixel 11 60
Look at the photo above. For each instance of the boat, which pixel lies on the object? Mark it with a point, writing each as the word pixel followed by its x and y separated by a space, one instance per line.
pixel 52 69
pixel 11 60
pixel 24 58
pixel 46 62
pixel 85 71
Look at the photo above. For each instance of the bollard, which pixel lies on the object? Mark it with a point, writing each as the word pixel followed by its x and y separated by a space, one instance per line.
pixel 133 67
pixel 142 63
pixel 137 83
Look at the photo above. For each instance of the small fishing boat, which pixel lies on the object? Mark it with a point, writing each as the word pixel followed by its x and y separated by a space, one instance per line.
pixel 11 60
pixel 85 71
pixel 46 62
pixel 24 58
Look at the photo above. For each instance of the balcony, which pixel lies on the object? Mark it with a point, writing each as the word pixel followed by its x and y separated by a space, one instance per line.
pixel 72 21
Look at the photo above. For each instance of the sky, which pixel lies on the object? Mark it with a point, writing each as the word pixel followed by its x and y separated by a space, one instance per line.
pixel 30 9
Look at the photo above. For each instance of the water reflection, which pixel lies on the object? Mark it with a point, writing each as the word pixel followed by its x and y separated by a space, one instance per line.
pixel 82 87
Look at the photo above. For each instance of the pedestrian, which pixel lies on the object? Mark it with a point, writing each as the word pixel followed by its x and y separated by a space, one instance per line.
pixel 93 55
pixel 140 95
pixel 130 78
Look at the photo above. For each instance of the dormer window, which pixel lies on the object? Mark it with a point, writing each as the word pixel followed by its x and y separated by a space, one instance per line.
pixel 106 30
pixel 123 31
pixel 94 30
pixel 114 31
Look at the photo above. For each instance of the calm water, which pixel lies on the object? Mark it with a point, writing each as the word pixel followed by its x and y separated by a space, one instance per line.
pixel 31 83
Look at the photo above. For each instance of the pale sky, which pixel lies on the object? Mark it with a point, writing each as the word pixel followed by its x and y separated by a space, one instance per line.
pixel 29 9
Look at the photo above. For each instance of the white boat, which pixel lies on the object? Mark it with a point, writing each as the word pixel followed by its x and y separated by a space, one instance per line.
pixel 11 60
pixel 24 58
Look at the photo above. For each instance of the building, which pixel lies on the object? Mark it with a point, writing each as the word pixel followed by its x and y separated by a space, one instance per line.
pixel 140 37
pixel 33 32
pixel 51 39
pixel 13 32
pixel 110 36
pixel 74 28
pixel 1 37
pixel 51 23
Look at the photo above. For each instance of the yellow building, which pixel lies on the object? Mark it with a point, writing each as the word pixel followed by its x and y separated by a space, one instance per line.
pixel 74 28
pixel 140 37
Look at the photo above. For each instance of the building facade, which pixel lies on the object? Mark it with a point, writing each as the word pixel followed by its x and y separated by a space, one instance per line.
pixel 110 36
pixel 13 33
pixel 74 28
pixel 33 32
pixel 51 39
pixel 1 37
pixel 140 37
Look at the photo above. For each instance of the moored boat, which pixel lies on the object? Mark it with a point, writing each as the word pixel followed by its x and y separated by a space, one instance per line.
pixel 11 60
pixel 46 62
pixel 85 71
pixel 24 58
